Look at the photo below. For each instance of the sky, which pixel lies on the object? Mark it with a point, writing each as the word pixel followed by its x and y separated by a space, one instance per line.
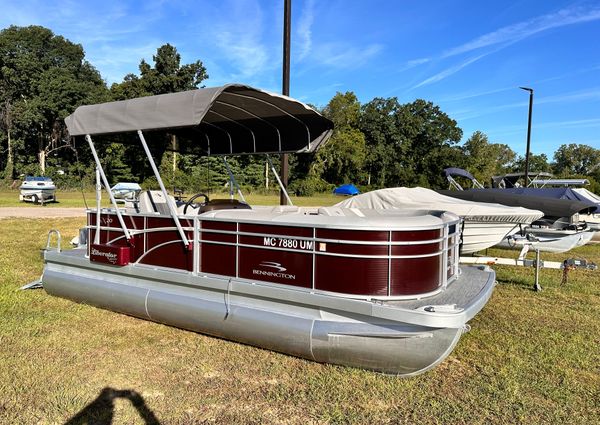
pixel 467 57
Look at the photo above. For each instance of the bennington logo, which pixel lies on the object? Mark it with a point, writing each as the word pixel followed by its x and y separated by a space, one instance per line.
pixel 110 256
pixel 278 273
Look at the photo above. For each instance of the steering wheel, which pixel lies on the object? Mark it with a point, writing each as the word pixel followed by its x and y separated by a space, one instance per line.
pixel 195 205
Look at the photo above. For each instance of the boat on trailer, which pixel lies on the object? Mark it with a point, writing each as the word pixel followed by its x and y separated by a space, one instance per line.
pixel 484 225
pixel 559 230
pixel 380 290
pixel 37 189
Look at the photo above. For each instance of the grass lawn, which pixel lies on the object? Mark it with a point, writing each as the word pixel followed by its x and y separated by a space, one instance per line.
pixel 529 358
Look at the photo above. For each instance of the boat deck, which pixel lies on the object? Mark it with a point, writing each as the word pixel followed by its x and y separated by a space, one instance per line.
pixel 460 293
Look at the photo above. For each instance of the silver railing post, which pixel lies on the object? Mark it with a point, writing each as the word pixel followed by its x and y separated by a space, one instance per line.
pixel 233 182
pixel 172 211
pixel 105 181
pixel 98 206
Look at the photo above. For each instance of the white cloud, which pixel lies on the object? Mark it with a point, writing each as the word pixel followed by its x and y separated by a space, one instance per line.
pixel 341 55
pixel 521 30
pixel 506 36
pixel 304 32
pixel 238 42
pixel 448 71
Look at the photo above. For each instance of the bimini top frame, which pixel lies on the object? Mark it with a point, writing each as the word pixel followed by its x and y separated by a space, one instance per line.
pixel 228 120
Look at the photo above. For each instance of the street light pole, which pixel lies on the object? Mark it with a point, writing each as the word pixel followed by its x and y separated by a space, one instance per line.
pixel 528 134
pixel 287 26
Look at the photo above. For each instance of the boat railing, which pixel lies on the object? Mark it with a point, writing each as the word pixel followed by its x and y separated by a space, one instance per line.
pixel 398 263
pixel 58 247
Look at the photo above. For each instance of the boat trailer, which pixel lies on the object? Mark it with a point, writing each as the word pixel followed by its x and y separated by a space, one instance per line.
pixel 565 265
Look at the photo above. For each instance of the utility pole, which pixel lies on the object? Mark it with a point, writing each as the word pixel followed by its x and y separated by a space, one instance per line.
pixel 528 134
pixel 287 27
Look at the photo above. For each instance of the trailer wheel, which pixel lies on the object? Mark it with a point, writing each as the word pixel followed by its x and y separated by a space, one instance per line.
pixel 35 199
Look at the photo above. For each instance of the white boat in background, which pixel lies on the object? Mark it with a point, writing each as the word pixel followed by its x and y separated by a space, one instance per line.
pixel 548 240
pixel 592 219
pixel 37 189
pixel 485 225
pixel 126 191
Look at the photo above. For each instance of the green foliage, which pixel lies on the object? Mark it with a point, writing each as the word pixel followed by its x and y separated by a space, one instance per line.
pixel 112 162
pixel 430 135
pixel 408 143
pixel 167 76
pixel 309 186
pixel 537 163
pixel 342 159
pixel 573 159
pixel 43 78
pixel 484 159
pixel 385 150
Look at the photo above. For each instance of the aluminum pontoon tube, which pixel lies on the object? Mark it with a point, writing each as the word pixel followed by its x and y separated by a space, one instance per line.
pixel 403 338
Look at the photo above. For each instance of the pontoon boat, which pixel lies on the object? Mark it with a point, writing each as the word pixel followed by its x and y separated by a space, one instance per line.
pixel 380 290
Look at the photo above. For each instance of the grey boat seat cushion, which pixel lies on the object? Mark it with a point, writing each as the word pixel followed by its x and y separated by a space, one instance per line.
pixel 154 202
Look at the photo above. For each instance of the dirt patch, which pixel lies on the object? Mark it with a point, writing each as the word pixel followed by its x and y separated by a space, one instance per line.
pixel 40 212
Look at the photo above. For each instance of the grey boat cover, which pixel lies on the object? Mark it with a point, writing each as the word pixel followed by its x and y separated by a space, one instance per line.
pixel 549 206
pixel 419 197
pixel 231 119
pixel 590 196
pixel 554 193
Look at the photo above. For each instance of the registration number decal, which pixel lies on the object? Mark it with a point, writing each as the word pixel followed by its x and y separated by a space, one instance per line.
pixel 288 243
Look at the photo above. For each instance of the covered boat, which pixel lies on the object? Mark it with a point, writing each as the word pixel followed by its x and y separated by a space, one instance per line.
pixel 558 213
pixel 37 189
pixel 380 290
pixel 563 209
pixel 592 219
pixel 485 225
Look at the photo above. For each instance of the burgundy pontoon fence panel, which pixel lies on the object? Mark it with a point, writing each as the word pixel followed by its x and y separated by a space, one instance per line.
pixel 354 262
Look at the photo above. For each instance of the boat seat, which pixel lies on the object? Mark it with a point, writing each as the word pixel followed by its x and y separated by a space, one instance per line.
pixel 224 204
pixel 154 202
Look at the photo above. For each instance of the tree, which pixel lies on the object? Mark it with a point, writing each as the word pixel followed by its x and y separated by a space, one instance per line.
pixel 485 159
pixel 343 157
pixel 167 76
pixel 429 136
pixel 384 148
pixel 575 159
pixel 409 144
pixel 44 77
pixel 537 163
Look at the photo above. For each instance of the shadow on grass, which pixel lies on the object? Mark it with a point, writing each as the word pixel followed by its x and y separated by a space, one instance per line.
pixel 102 409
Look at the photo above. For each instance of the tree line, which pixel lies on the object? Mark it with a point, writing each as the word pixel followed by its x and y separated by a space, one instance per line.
pixel 381 143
